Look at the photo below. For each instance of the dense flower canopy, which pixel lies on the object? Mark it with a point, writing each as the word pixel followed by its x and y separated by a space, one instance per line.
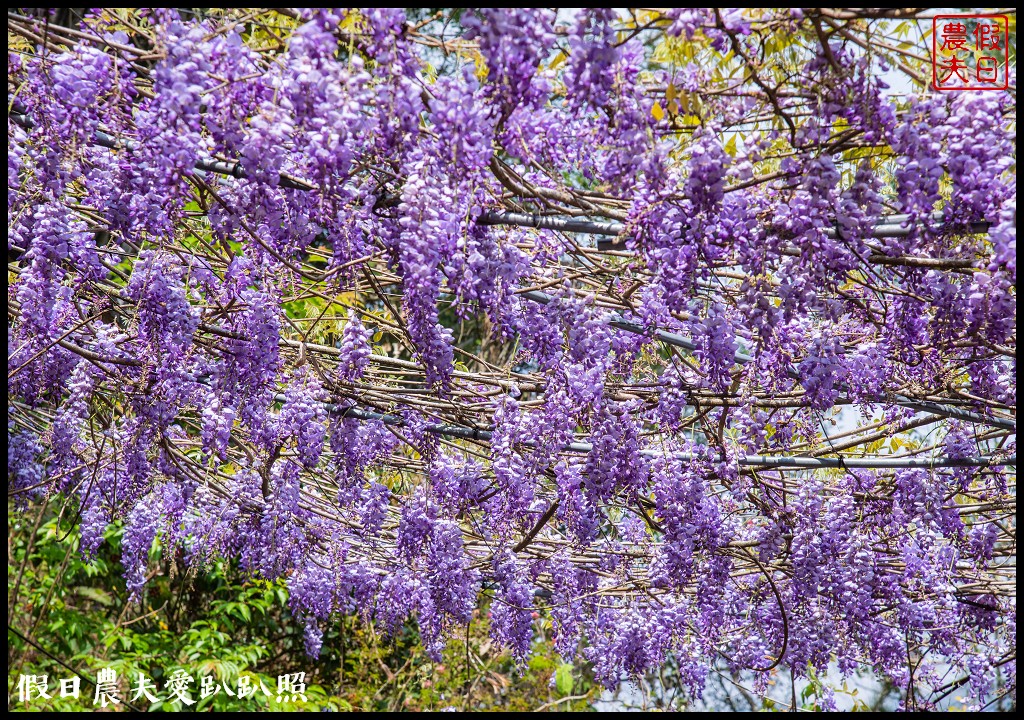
pixel 681 328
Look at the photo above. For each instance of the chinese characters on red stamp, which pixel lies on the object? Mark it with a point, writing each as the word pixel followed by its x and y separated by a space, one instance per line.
pixel 970 52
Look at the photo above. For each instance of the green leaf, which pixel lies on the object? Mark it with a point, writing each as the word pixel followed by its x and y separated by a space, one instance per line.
pixel 95 594
pixel 730 147
pixel 563 679
pixel 874 447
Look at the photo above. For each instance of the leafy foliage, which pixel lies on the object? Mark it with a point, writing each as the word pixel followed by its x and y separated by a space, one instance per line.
pixel 213 621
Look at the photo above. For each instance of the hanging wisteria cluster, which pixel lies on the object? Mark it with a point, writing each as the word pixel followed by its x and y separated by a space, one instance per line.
pixel 243 252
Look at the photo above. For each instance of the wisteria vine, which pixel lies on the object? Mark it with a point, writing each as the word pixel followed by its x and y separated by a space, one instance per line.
pixel 318 291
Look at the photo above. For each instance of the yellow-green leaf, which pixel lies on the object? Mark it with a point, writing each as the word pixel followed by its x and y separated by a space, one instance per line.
pixel 563 679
